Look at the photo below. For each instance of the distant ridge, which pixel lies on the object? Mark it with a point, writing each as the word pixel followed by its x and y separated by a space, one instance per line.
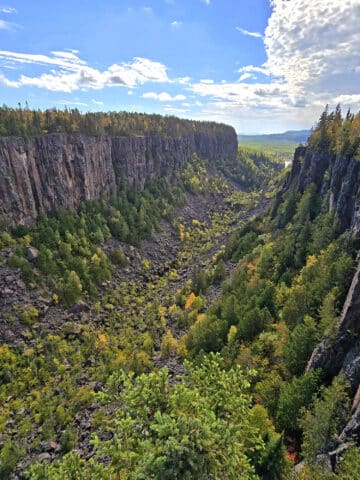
pixel 290 136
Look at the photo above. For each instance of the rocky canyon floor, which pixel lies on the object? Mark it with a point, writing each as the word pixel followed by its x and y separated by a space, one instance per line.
pixel 128 320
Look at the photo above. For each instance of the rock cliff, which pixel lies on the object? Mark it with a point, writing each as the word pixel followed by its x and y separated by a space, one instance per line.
pixel 337 175
pixel 337 178
pixel 62 170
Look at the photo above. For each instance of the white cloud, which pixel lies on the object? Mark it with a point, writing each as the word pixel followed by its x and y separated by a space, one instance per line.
pixel 71 102
pixel 312 47
pixel 348 99
pixel 73 73
pixel 171 109
pixel 245 76
pixel 248 33
pixel 148 10
pixel 248 72
pixel 183 80
pixel 176 23
pixel 207 2
pixel 4 25
pixel 243 94
pixel 163 97
pixel 8 83
pixel 97 102
pixel 313 58
pixel 252 69
pixel 9 10
pixel 66 60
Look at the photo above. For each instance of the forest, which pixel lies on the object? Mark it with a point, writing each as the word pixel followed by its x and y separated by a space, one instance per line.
pixel 25 122
pixel 196 370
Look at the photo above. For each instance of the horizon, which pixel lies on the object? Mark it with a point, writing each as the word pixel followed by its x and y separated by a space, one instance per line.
pixel 259 66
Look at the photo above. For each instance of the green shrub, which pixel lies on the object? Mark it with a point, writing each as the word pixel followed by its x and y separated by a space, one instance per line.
pixel 10 455
pixel 118 257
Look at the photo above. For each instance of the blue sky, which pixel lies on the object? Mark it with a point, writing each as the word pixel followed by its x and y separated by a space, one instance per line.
pixel 261 66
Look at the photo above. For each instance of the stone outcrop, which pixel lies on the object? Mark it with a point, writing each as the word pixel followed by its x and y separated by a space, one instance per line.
pixel 337 175
pixel 337 179
pixel 343 353
pixel 62 170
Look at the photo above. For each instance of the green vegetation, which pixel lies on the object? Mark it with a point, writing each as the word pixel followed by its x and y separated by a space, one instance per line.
pixel 203 427
pixel 28 123
pixel 337 135
pixel 238 310
pixel 251 170
pixel 281 146
pixel 69 243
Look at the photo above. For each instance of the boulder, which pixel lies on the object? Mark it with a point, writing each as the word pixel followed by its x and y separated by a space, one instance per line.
pixel 32 253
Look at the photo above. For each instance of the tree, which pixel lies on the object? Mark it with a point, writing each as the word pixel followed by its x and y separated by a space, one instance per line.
pixel 321 421
pixel 203 427
pixel 293 397
pixel 71 288
pixel 300 344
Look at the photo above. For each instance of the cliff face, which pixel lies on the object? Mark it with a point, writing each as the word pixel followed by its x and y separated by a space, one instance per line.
pixel 338 177
pixel 62 170
pixel 337 174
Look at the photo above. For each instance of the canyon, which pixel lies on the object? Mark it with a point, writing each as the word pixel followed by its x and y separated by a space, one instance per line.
pixel 62 170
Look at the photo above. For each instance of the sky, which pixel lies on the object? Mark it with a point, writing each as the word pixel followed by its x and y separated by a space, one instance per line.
pixel 262 66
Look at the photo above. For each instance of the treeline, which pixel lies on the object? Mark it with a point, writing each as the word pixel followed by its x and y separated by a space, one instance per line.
pixel 25 122
pixel 337 134
pixel 251 169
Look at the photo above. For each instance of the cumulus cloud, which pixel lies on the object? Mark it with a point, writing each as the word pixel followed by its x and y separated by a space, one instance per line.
pixel 71 73
pixel 176 23
pixel 8 10
pixel 164 97
pixel 248 33
pixel 243 94
pixel 312 46
pixel 313 58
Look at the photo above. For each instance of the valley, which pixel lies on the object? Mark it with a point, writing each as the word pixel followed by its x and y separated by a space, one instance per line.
pixel 188 324
pixel 135 322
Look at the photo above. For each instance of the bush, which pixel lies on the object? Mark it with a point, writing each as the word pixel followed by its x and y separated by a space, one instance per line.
pixel 168 344
pixel 118 257
pixel 30 315
pixel 71 288
pixel 9 457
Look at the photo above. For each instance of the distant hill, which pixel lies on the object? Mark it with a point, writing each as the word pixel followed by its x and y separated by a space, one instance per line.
pixel 291 136
pixel 280 144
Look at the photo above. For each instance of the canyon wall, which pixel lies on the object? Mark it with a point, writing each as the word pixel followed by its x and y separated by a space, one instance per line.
pixel 337 178
pixel 338 175
pixel 62 170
